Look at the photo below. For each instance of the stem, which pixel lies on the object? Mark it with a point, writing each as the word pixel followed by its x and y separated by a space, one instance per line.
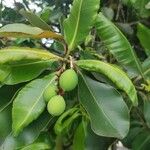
pixel 67 51
pixel 118 11
pixel 67 54
pixel 61 69
pixel 59 143
pixel 71 62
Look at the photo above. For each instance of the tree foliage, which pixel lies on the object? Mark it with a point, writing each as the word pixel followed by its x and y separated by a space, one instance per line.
pixel 106 46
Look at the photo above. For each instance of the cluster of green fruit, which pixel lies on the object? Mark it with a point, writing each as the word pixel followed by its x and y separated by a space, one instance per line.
pixel 68 80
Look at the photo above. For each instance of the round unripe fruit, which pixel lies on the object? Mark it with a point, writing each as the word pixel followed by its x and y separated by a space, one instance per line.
pixel 56 106
pixel 68 80
pixel 50 91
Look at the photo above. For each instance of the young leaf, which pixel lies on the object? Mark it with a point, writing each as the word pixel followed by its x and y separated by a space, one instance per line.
pixel 118 45
pixel 37 146
pixel 23 64
pixel 13 55
pixel 117 76
pixel 29 103
pixel 108 112
pixel 20 30
pixel 77 25
pixel 64 122
pixel 35 20
pixel 143 33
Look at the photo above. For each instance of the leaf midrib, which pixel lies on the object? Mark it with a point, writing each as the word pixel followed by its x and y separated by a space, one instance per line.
pixel 31 63
pixel 46 53
pixel 77 27
pixel 29 112
pixel 100 107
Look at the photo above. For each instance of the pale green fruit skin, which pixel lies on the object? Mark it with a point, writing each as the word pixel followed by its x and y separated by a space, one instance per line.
pixel 50 91
pixel 56 106
pixel 68 80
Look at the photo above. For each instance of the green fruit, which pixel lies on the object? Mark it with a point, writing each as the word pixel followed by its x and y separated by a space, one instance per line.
pixel 50 91
pixel 56 106
pixel 68 80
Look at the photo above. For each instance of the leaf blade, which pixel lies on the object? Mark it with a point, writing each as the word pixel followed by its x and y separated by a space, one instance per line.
pixel 35 20
pixel 118 45
pixel 19 30
pixel 79 137
pixel 15 54
pixel 94 98
pixel 23 64
pixel 29 103
pixel 117 76
pixel 32 132
pixel 77 28
pixel 40 146
pixel 143 34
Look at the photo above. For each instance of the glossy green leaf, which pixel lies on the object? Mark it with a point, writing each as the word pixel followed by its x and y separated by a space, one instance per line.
pixel 142 141
pixel 77 26
pixel 118 45
pixel 23 64
pixel 20 30
pixel 143 34
pixel 29 103
pixel 109 115
pixel 11 56
pixel 28 135
pixel 37 146
pixel 79 137
pixel 116 75
pixel 35 20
